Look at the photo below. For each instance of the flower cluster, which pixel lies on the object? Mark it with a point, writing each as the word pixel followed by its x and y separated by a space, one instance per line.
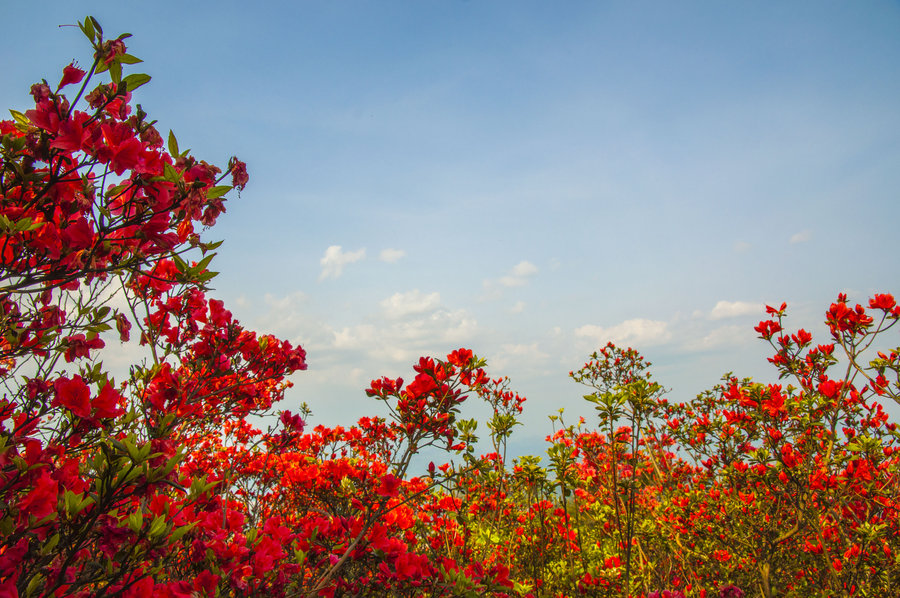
pixel 161 484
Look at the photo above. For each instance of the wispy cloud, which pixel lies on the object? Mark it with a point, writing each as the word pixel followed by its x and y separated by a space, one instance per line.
pixel 638 331
pixel 724 336
pixel 400 305
pixel 732 309
pixel 519 354
pixel 519 275
pixel 335 259
pixel 801 237
pixel 391 255
pixel 404 338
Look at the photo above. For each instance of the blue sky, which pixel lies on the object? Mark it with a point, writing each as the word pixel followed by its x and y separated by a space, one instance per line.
pixel 526 179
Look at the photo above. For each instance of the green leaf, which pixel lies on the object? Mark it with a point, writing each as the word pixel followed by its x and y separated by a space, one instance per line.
pixel 87 28
pixel 50 545
pixel 128 58
pixel 20 118
pixel 96 25
pixel 201 266
pixel 133 451
pixel 135 521
pixel 170 173
pixel 217 191
pixel 117 190
pixel 135 80
pixel 158 527
pixel 206 276
pixel 34 584
pixel 23 225
pixel 210 246
pixel 173 144
pixel 179 533
pixel 115 72
pixel 180 264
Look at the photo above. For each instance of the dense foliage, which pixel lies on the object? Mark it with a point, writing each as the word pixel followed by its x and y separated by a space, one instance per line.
pixel 160 485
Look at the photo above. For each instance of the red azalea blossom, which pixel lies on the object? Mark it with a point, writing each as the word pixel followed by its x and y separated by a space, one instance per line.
pixel 40 502
pixel 74 395
pixel 160 483
pixel 884 302
pixel 239 176
pixel 388 486
pixel 71 74
pixel 78 346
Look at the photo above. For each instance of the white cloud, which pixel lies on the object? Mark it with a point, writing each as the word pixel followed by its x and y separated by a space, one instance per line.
pixel 290 302
pixel 720 337
pixel 522 351
pixel 636 332
pixel 391 255
pixel 742 246
pixel 354 337
pixel 517 308
pixel 334 261
pixel 517 354
pixel 399 305
pixel 731 309
pixel 519 275
pixel 399 341
pixel 801 237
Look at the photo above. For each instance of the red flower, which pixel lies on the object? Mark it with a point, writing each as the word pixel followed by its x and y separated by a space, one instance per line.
pixel 71 74
pixel 774 404
pixel 885 302
pixel 74 395
pixel 767 329
pixel 79 346
pixel 802 337
pixel 111 49
pixel 78 235
pixel 829 388
pixel 45 115
pixel 123 327
pixel 42 500
pixel 123 151
pixel 788 456
pixel 423 384
pixel 72 136
pixel 731 591
pixel 611 562
pixel 388 486
pixel 460 357
pixel 239 176
pixel 106 404
pixel 776 312
pixel 292 422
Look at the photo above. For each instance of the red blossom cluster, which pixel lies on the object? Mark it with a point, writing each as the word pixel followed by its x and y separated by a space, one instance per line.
pixel 160 484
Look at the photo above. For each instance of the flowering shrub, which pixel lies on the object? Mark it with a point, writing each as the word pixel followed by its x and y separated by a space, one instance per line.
pixel 98 229
pixel 159 484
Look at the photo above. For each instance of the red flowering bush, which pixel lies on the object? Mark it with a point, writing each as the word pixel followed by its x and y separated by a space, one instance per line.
pixel 159 484
pixel 99 231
